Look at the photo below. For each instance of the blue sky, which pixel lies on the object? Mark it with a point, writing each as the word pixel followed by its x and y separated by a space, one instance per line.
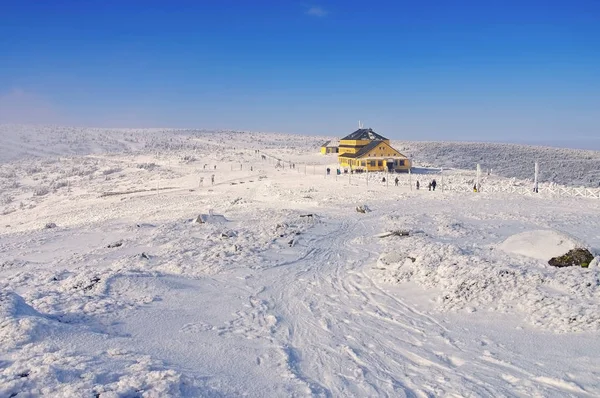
pixel 432 70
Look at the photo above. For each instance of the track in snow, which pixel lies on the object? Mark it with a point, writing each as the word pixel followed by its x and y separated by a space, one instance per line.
pixel 345 336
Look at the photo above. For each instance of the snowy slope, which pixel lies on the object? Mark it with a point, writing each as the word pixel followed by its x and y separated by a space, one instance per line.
pixel 563 166
pixel 110 288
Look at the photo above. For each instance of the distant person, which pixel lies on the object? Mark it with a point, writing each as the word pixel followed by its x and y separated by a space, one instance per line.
pixel 475 188
pixel 429 186
pixel 383 179
pixel 418 185
pixel 215 166
pixel 396 181
pixel 212 179
pixel 328 171
pixel 433 184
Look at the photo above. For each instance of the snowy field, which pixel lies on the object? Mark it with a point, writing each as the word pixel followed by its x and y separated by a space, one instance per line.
pixel 111 287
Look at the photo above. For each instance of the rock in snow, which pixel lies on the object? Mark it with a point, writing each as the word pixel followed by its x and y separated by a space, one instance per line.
pixel 576 257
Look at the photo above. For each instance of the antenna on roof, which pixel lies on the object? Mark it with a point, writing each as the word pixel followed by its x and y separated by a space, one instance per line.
pixel 360 125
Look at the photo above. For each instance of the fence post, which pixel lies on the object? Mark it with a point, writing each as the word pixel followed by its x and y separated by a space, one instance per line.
pixel 410 178
pixel 478 178
pixel 535 177
pixel 442 177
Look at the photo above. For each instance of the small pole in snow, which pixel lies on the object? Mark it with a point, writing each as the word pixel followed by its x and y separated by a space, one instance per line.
pixel 535 177
pixel 442 175
pixel 478 178
pixel 410 178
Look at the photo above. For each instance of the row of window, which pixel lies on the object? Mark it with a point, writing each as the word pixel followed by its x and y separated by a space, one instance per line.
pixel 373 163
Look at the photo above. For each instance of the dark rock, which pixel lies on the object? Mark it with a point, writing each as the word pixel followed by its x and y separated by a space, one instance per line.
pixel 576 257
pixel 50 225
pixel 115 244
pixel 363 209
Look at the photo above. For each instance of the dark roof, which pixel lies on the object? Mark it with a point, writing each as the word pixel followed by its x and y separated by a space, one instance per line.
pixel 362 150
pixel 325 144
pixel 364 134
pixel 366 149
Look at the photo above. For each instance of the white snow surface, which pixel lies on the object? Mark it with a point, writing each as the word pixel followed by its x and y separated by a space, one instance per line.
pixel 542 245
pixel 111 288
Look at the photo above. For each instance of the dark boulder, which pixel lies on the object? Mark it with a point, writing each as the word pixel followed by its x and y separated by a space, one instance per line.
pixel 575 257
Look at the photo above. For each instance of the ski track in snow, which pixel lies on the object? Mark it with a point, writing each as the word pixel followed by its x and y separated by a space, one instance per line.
pixel 128 297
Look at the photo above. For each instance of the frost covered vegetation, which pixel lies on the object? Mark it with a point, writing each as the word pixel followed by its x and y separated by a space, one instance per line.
pixel 125 272
pixel 575 167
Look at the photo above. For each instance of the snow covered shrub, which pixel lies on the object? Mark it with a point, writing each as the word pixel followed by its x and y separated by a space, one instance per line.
pixel 57 184
pixel 8 173
pixel 40 191
pixel 33 169
pixel 111 171
pixel 6 199
pixel 147 166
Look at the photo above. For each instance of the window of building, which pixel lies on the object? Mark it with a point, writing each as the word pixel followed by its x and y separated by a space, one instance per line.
pixel 363 163
pixel 373 162
pixel 401 162
pixel 380 163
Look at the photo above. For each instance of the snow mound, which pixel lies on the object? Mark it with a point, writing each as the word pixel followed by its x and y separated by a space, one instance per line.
pixel 19 322
pixel 210 219
pixel 539 244
pixel 60 373
pixel 559 299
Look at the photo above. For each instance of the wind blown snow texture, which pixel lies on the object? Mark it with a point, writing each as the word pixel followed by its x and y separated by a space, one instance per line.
pixel 109 288
pixel 573 167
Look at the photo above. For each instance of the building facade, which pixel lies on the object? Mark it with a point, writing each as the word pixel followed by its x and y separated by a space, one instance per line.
pixel 365 150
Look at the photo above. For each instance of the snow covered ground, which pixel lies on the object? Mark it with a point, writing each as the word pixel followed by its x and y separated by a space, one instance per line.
pixel 110 288
pixel 574 167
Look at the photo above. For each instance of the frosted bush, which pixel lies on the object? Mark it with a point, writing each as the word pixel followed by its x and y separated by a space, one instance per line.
pixel 111 171
pixel 57 184
pixel 147 166
pixel 33 170
pixel 6 199
pixel 41 191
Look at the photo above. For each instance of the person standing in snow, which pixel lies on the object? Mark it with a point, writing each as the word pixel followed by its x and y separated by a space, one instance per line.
pixel 418 185
pixel 433 184
pixel 396 181
pixel 212 179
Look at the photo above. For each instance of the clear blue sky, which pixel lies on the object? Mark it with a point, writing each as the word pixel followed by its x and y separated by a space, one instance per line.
pixel 499 70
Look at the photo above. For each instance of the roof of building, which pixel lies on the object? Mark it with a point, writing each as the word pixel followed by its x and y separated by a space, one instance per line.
pixel 364 134
pixel 331 143
pixel 367 148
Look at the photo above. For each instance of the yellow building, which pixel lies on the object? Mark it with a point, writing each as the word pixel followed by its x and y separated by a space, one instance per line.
pixel 330 147
pixel 365 150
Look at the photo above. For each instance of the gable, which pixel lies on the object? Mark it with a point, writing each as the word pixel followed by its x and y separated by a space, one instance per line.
pixel 380 149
